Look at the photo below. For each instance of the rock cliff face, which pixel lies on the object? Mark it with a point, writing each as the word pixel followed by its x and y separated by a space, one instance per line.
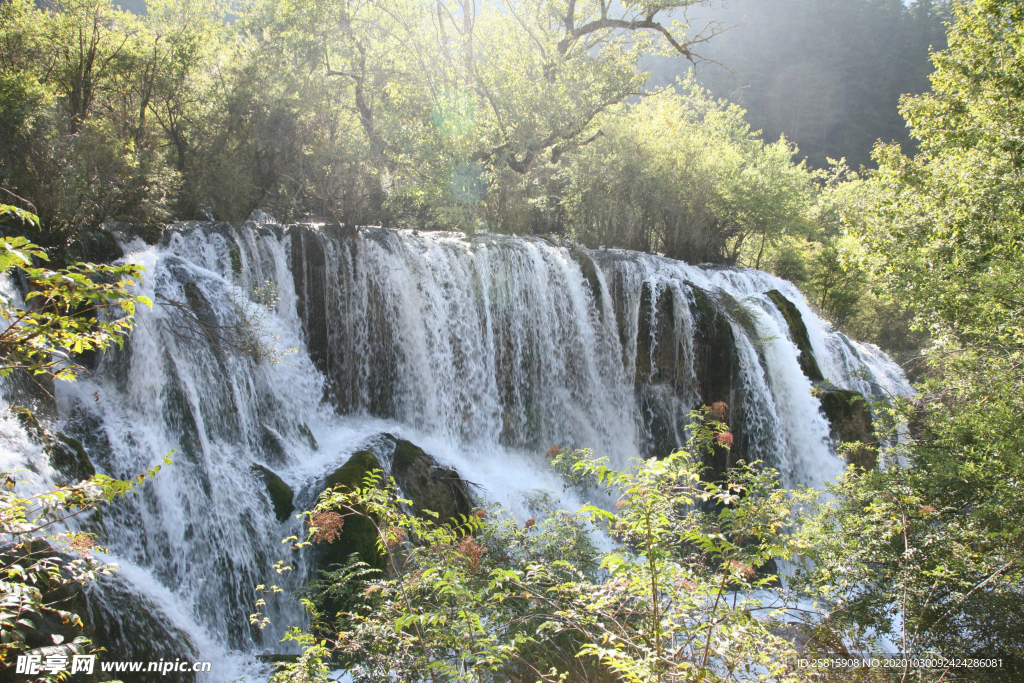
pixel 499 336
pixel 849 415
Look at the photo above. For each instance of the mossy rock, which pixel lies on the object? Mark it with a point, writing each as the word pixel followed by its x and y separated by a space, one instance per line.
pixel 798 333
pixel 281 496
pixel 716 364
pixel 428 484
pixel 272 446
pixel 67 455
pixel 359 535
pixel 310 439
pixel 94 246
pixel 715 360
pixel 589 270
pixel 849 416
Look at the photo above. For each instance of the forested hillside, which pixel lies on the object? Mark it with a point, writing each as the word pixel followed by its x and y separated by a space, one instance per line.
pixel 827 75
pixel 475 119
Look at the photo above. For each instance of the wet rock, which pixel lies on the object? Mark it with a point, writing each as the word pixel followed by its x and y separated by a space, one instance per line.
pixel 717 368
pixel 271 445
pixel 280 494
pixel 113 616
pixel 358 535
pixel 35 392
pixel 849 415
pixel 310 439
pixel 658 353
pixel 589 270
pixel 308 268
pixel 133 628
pixel 66 454
pixel 715 361
pixel 798 333
pixel 428 484
pixel 662 372
pixel 94 246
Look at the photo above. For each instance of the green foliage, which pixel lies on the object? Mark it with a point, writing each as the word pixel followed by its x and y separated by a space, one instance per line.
pixel 912 566
pixel 502 115
pixel 683 174
pixel 83 307
pixel 79 76
pixel 490 600
pixel 939 540
pixel 42 556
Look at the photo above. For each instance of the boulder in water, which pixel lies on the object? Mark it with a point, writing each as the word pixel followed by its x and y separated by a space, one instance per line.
pixel 279 492
pixel 359 534
pixel 427 483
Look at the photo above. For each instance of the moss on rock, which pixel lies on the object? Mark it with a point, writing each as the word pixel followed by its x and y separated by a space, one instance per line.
pixel 428 484
pixel 849 415
pixel 798 333
pixel 280 493
pixel 359 535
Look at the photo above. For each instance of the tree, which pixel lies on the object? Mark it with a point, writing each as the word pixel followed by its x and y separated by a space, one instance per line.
pixel 944 236
pixel 683 174
pixel 451 95
pixel 80 147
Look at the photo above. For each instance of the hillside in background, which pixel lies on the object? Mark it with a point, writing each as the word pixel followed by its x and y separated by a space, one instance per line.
pixel 827 74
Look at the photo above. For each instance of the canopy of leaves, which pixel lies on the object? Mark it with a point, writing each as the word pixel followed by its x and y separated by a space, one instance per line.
pixel 939 540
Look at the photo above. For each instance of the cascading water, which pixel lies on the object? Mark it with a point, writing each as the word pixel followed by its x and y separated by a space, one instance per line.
pixel 484 352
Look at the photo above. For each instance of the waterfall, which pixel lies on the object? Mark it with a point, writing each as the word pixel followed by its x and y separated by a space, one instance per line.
pixel 483 351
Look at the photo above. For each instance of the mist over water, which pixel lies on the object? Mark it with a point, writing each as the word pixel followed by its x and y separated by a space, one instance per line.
pixel 484 352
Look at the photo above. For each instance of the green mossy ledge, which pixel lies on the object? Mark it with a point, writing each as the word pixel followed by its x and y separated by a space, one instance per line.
pixel 359 535
pixel 849 415
pixel 798 333
pixel 280 494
